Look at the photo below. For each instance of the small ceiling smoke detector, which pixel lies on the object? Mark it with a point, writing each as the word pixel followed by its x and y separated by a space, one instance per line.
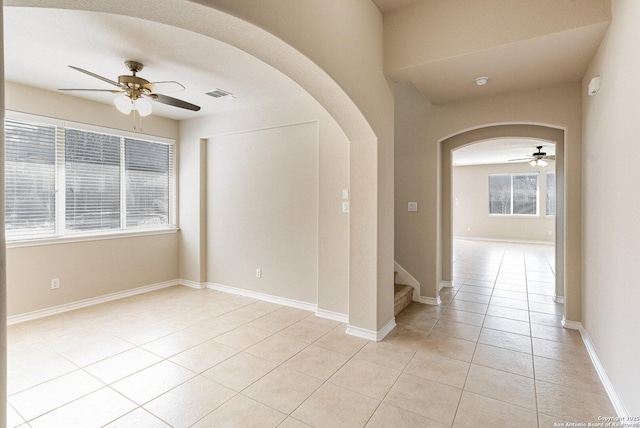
pixel 481 81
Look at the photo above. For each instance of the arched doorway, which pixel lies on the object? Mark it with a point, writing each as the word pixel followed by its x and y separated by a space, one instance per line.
pixel 367 124
pixel 538 132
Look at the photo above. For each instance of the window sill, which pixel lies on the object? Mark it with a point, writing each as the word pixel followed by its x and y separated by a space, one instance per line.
pixel 92 237
pixel 516 216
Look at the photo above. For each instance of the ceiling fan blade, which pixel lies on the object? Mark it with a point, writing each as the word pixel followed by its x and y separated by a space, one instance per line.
pixel 113 91
pixel 521 159
pixel 97 76
pixel 164 99
pixel 551 157
pixel 165 86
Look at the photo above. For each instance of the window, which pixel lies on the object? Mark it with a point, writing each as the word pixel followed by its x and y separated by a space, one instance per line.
pixel 111 182
pixel 30 175
pixel 92 181
pixel 149 173
pixel 551 194
pixel 513 194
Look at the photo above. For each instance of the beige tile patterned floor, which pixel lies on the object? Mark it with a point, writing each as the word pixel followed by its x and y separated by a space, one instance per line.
pixel 492 355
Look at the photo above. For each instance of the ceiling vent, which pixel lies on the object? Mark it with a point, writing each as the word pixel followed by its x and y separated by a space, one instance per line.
pixel 220 93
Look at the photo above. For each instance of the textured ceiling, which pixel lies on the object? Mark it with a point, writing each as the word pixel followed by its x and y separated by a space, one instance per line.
pixel 40 43
pixel 387 5
pixel 499 151
pixel 441 46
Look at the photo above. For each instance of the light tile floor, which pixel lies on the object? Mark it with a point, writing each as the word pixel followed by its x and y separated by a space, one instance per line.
pixel 492 355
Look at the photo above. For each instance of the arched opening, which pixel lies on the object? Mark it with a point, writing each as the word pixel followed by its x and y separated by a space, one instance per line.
pixel 370 306
pixel 537 132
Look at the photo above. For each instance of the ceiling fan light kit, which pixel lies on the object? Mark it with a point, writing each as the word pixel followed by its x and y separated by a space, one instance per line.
pixel 126 105
pixel 135 92
pixel 538 158
pixel 539 162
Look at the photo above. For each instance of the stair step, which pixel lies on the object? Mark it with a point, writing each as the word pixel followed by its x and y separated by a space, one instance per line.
pixel 403 296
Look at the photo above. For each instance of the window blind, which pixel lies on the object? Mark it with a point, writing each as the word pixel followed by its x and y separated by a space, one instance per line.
pixel 525 194
pixel 149 175
pixel 513 194
pixel 30 179
pixel 500 194
pixel 92 181
pixel 75 179
pixel 551 194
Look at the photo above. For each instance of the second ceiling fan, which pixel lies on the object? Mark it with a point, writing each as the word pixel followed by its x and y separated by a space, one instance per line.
pixel 539 158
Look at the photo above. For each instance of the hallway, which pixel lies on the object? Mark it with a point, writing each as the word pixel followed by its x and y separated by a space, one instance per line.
pixel 497 336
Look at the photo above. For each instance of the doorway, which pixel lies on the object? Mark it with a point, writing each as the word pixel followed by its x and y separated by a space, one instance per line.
pixel 492 132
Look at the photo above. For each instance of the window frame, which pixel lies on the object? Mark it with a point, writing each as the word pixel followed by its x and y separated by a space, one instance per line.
pixel 555 194
pixel 61 235
pixel 511 175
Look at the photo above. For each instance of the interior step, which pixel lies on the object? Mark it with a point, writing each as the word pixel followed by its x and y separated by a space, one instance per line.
pixel 403 296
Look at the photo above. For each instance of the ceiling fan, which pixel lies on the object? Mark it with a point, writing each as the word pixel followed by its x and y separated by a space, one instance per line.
pixel 136 91
pixel 538 158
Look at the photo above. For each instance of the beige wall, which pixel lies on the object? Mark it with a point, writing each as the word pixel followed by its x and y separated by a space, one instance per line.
pixel 262 210
pixel 437 25
pixel 341 43
pixel 324 150
pixel 86 269
pixel 471 217
pixel 418 235
pixel 3 261
pixel 611 230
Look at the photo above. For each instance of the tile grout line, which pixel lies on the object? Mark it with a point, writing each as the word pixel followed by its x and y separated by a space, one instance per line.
pixel 477 340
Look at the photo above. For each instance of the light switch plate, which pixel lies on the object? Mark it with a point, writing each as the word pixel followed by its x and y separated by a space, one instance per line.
pixel 412 206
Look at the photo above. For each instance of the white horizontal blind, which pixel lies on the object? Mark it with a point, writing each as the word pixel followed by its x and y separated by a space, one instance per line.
pixel 149 183
pixel 30 179
pixel 66 178
pixel 499 194
pixel 551 194
pixel 92 181
pixel 525 194
pixel 513 194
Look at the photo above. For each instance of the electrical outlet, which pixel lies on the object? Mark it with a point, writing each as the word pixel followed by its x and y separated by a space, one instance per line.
pixel 258 273
pixel 55 283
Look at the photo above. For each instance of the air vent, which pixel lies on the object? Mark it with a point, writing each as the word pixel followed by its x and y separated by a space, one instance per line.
pixel 220 93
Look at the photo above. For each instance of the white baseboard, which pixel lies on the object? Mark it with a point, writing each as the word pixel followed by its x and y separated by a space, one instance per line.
pixel 298 304
pixel 330 315
pixel 446 284
pixel 88 302
pixel 372 335
pixel 616 401
pixel 192 284
pixel 511 241
pixel 571 325
pixel 434 301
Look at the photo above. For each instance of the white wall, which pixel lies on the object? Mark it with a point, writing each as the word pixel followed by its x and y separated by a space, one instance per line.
pixel 262 210
pixel 86 269
pixel 325 151
pixel 611 230
pixel 471 217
